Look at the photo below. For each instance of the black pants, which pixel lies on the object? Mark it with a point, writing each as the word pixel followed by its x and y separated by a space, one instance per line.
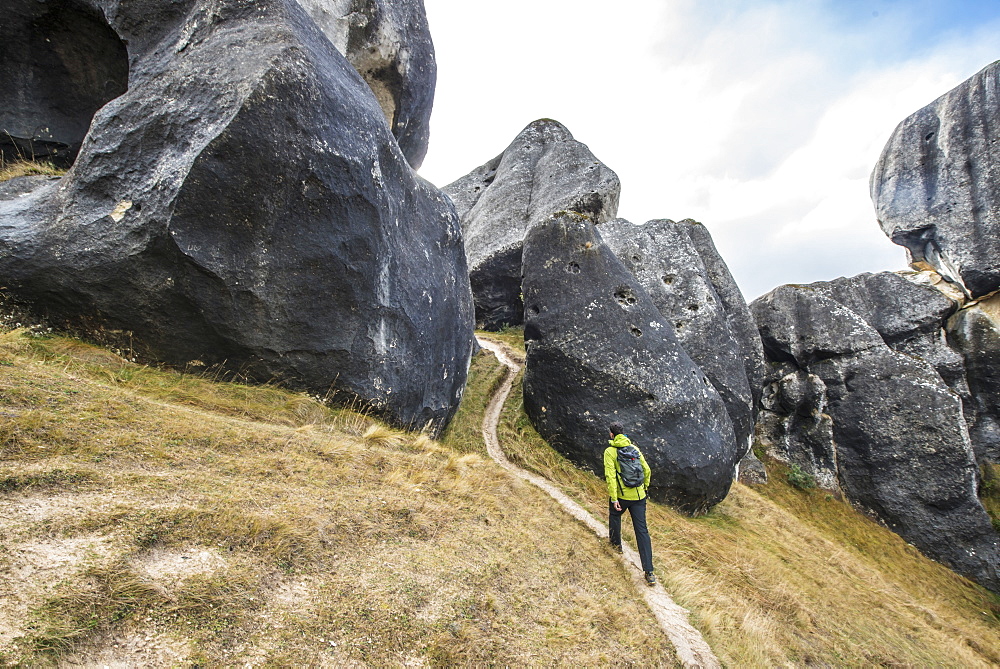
pixel 636 509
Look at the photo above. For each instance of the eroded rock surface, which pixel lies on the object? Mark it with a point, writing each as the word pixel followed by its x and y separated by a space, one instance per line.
pixel 598 350
pixel 975 332
pixel 543 171
pixel 673 272
pixel 902 446
pixel 59 63
pixel 244 203
pixel 935 187
pixel 389 43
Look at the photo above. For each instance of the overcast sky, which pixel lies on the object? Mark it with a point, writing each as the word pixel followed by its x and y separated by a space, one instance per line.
pixel 761 119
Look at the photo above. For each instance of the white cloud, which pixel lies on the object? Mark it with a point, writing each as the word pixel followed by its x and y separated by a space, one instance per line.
pixel 763 120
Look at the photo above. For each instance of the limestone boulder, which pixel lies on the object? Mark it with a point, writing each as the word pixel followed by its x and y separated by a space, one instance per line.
pixel 799 324
pixel 795 428
pixel 389 43
pixel 598 351
pixel 935 186
pixel 908 314
pixel 901 443
pixel 59 63
pixel 245 204
pixel 975 332
pixel 904 453
pixel 672 271
pixel 543 171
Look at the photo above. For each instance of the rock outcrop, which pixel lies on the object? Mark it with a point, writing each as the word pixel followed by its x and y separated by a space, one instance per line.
pixel 598 350
pixel 909 316
pixel 389 43
pixel 793 426
pixel 245 203
pixel 672 270
pixel 59 63
pixel 543 171
pixel 975 332
pixel 902 449
pixel 935 189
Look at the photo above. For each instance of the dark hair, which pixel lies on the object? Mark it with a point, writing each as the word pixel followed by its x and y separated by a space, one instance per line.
pixel 616 428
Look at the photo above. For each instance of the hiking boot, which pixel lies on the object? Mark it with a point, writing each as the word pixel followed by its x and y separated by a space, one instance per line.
pixel 616 548
pixel 650 578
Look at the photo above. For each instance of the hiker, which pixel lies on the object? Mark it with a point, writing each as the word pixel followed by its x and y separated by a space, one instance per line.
pixel 622 462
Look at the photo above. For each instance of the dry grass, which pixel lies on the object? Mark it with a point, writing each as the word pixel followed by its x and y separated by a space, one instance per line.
pixel 776 576
pixel 154 518
pixel 24 168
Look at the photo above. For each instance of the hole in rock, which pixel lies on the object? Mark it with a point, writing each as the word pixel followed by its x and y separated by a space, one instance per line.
pixel 636 258
pixel 533 310
pixel 928 136
pixel 625 296
pixel 636 331
pixel 59 63
pixel 692 307
pixel 573 268
pixel 668 279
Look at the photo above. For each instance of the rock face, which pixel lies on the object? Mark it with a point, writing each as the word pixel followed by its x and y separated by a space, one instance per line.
pixel 543 171
pixel 794 427
pixel 671 269
pixel 389 43
pixel 935 185
pixel 975 331
pixel 902 449
pixel 246 203
pixel 598 350
pixel 908 315
pixel 59 63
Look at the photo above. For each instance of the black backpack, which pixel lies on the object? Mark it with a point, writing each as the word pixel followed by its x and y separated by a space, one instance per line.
pixel 630 467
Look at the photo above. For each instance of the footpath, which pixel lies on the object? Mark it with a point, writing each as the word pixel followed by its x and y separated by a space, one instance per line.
pixel 691 648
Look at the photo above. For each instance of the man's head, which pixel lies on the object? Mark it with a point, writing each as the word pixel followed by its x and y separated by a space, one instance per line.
pixel 615 429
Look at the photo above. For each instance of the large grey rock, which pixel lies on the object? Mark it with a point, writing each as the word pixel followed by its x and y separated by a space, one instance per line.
pixel 935 187
pixel 663 258
pixel 794 428
pixel 245 204
pixel 975 331
pixel 801 325
pixel 738 316
pixel 389 43
pixel 598 350
pixel 902 446
pixel 59 63
pixel 543 171
pixel 904 453
pixel 899 309
pixel 908 314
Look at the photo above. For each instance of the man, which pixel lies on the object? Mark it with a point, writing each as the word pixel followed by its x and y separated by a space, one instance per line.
pixel 624 497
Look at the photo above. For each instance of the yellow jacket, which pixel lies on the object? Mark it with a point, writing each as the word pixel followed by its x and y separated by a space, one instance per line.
pixel 616 488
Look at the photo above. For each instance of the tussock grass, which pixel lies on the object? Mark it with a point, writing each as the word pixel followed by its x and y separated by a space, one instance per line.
pixel 465 431
pixel 24 168
pixel 233 524
pixel 778 575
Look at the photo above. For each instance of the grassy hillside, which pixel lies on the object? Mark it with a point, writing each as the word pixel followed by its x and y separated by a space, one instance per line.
pixel 776 575
pixel 153 518
pixel 158 519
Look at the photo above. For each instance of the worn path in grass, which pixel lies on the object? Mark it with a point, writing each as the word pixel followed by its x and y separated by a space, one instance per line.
pixel 691 647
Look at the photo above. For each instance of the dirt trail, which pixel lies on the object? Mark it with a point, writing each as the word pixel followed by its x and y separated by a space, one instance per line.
pixel 691 647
